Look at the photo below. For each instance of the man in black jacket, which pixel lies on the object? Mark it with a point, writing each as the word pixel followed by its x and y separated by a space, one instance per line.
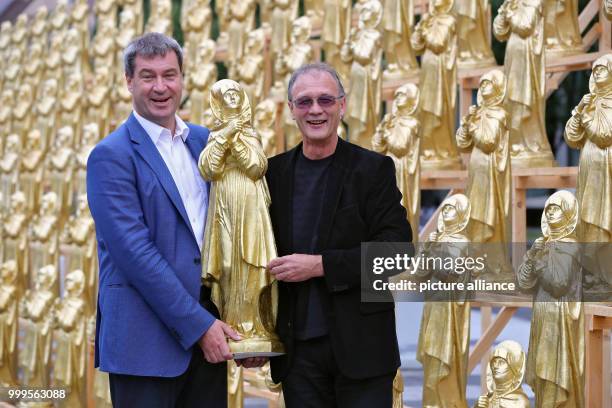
pixel 329 196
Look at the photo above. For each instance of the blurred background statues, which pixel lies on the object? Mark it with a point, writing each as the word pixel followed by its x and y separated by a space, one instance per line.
pixel 9 305
pixel 251 66
pixel 561 31
pixel 397 23
pixel 473 33
pixel 15 240
pixel 202 76
pixel 264 122
pixel 336 29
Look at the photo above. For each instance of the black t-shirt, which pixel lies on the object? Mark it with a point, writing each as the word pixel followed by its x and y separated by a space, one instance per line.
pixel 309 184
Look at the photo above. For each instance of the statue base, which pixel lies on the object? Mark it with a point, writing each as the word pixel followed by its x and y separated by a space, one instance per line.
pixel 256 347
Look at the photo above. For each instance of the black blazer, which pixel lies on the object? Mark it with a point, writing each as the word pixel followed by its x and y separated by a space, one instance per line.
pixel 361 203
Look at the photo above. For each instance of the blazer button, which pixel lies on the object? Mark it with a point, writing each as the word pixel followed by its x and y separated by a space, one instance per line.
pixel 197 261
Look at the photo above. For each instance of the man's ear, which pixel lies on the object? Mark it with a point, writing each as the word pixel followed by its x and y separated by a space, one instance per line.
pixel 129 83
pixel 290 105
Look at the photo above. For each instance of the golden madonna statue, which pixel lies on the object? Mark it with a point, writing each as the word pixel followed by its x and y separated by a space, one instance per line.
pixel 590 129
pixel 241 15
pixel 136 8
pixel 44 236
pixel 399 137
pixel 79 237
pixel 336 29
pixel 53 60
pixel 196 22
pixel 128 30
pixel 283 13
pixel 59 171
pixel 59 20
pixel 99 100
pixel 15 239
pixel 364 49
pixel 36 314
pixel 39 28
pixel 264 122
pixel 32 170
pixel 72 104
pixel 104 47
pixel 238 241
pixel 473 33
pixel 520 23
pixel 106 10
pixel 444 336
pixel 23 111
pixel 484 133
pixel 561 30
pixel 9 168
pixel 19 33
pixel 74 57
pixel 46 110
pixel 201 77
pixel 80 20
pixel 13 73
pixel 397 23
pixel 160 18
pixel 551 268
pixel 35 67
pixel 505 374
pixel 9 302
pixel 88 142
pixel 435 36
pixel 69 335
pixel 250 68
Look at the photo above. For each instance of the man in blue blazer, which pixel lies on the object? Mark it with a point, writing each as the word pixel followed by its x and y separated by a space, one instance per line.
pixel 154 336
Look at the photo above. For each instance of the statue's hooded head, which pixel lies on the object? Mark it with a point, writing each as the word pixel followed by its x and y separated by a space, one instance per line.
pixel 300 32
pixel 371 14
pixel 255 42
pixel 437 7
pixel 206 51
pixel 560 216
pixel 48 203
pixel 506 368
pixel 492 88
pixel 406 98
pixel 46 277
pixel 264 113
pixel 9 272
pixel 600 82
pixel 228 101
pixel 455 215
pixel 75 283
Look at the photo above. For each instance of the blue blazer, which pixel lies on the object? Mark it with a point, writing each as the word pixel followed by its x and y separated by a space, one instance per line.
pixel 149 315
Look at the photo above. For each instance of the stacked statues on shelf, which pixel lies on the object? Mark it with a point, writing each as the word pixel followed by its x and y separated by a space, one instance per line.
pixel 520 22
pixel 53 59
pixel 335 31
pixel 251 66
pixel 201 78
pixel 31 170
pixel 399 136
pixel 12 71
pixel 484 133
pixel 590 130
pixel 15 239
pixel 43 239
pixel 561 31
pixel 128 30
pixel 7 99
pixel 35 68
pixel 473 33
pixel 69 336
pixel 106 10
pixel 19 34
pixel 5 42
pixel 435 36
pixel 397 23
pixel 60 170
pixel 196 22
pixel 263 122
pixel 552 270
pixel 364 49
pixel 9 322
pixel 444 336
pixel 505 373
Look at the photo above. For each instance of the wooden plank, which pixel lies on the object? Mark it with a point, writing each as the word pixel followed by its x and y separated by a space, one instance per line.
pixel 545 177
pixel 588 14
pixel 605 39
pixel 601 323
pixel 594 369
pixel 443 179
pixel 486 318
pixel 489 336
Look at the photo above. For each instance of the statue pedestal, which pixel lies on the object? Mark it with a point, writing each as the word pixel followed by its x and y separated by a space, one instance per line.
pixel 256 347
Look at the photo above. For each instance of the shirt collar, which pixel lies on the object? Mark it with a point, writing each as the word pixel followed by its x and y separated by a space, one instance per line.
pixel 155 131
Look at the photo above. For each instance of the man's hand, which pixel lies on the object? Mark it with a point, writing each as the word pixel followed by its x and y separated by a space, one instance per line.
pixel 214 344
pixel 252 362
pixel 296 267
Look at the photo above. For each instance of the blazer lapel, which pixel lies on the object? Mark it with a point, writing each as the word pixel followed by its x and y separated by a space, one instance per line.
pixel 147 150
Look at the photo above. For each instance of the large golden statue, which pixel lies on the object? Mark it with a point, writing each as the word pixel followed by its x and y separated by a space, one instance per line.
pixel 250 68
pixel 435 36
pixel 484 133
pixel 59 171
pixel 202 76
pixel 473 33
pixel 444 336
pixel 561 30
pixel 264 122
pixel 32 170
pixel 520 23
pixel 505 373
pixel 69 335
pixel 397 23
pixel 36 314
pixel 364 49
pixel 15 239
pixel 399 137
pixel 238 241
pixel 551 268
pixel 9 302
pixel 590 129
pixel 299 53
pixel 88 142
pixel 336 29
pixel 44 236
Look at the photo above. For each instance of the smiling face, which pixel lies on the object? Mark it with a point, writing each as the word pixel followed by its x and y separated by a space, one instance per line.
pixel 156 88
pixel 315 123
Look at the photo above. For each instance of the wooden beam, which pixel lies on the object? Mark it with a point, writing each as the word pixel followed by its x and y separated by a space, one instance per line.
pixel 489 336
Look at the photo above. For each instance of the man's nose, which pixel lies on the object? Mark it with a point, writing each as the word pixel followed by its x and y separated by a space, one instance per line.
pixel 159 84
pixel 315 107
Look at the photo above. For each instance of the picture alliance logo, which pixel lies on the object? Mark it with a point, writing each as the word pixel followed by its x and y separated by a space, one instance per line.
pixel 412 264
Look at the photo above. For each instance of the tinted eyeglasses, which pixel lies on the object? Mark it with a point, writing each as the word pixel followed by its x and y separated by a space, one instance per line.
pixel 324 101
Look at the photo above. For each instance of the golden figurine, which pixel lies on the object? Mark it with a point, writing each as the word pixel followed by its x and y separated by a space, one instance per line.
pixel 196 22
pixel 473 33
pixel 121 96
pixel 444 336
pixel 551 268
pixel 435 36
pixel 520 23
pixel 160 18
pixel 590 129
pixel 235 389
pixel 46 110
pixel 264 121
pixel 59 170
pixel 31 170
pixel 201 78
pixel 399 137
pixel 314 9
pixel 505 373
pixel 75 59
pixel 44 235
pixel 79 18
pixel 107 10
pixel 36 314
pixel 19 34
pixel 79 237
pixel 35 68
pixel 397 23
pixel 337 20
pixel 15 239
pixel 483 132
pixel 5 47
pixel 90 137
pixel 136 7
pixel 72 104
pixel 23 111
pixel 9 167
pixel 13 73
pixel 561 30
pixel 250 68
pixel 99 100
pixel 398 390
pixel 239 241
pixel 9 302
pixel 39 28
pixel 240 16
pixel 103 49
pixel 53 60
pixel 101 386
pixel 299 53
pixel 59 20
pixel 364 49
pixel 283 13
pixel 69 335
pixel 7 100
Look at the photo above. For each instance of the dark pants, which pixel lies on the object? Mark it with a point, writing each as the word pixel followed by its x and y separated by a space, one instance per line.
pixel 314 381
pixel 203 385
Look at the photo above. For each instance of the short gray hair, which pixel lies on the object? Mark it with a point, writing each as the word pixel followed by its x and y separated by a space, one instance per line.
pixel 319 67
pixel 150 45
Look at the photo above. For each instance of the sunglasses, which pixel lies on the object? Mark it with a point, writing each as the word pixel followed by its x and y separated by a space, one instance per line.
pixel 324 101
